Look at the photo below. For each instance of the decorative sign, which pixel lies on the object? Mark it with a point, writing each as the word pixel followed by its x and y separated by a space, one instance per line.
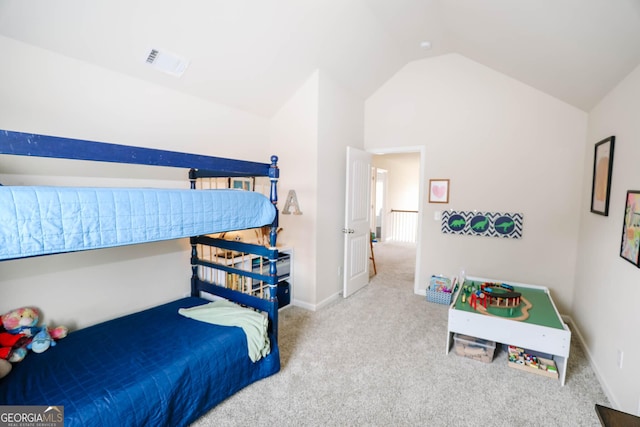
pixel 292 201
pixel 491 224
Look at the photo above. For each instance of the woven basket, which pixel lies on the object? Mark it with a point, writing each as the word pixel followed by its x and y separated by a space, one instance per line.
pixel 439 297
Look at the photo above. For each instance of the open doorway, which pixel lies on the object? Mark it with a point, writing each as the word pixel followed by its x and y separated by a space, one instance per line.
pixel 396 202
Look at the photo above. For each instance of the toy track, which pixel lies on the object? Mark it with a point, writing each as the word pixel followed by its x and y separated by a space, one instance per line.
pixel 524 310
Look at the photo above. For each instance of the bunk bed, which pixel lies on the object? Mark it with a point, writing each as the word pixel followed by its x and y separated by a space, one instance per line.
pixel 111 374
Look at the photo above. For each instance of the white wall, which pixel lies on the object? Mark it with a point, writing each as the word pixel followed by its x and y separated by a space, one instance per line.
pixel 506 147
pixel 404 175
pixel 47 93
pixel 294 137
pixel 312 131
pixel 42 92
pixel 341 124
pixel 608 287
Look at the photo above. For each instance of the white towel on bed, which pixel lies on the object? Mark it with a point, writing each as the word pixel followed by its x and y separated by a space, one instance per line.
pixel 226 313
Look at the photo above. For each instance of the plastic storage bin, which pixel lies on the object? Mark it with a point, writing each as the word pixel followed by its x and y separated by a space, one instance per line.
pixel 474 348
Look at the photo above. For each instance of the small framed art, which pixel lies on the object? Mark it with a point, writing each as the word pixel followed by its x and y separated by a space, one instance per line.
pixel 630 247
pixel 246 184
pixel 602 168
pixel 438 191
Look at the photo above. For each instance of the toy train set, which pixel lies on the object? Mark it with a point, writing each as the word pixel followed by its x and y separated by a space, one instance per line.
pixel 497 296
pixel 534 323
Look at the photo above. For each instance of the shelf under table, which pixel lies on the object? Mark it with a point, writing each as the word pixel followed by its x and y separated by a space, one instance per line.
pixel 544 331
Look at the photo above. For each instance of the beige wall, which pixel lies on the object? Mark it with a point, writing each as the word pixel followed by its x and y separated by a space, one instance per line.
pixel 47 93
pixel 506 148
pixel 607 290
pixel 294 135
pixel 312 131
pixel 341 124
pixel 404 176
pixel 403 179
pixel 42 92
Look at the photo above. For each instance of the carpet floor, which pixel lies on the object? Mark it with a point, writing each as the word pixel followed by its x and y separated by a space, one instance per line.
pixel 378 359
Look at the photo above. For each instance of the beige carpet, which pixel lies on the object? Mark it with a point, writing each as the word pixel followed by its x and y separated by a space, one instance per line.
pixel 378 359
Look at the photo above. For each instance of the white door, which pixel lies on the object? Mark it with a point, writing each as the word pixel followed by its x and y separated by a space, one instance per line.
pixel 357 221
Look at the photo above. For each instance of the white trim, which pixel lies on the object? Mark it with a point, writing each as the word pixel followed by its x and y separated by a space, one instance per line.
pixel 592 363
pixel 320 305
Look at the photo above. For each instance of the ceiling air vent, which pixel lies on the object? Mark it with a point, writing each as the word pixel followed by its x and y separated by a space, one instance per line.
pixel 166 62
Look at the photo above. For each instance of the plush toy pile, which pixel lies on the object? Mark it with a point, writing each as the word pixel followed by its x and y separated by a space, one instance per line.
pixel 19 332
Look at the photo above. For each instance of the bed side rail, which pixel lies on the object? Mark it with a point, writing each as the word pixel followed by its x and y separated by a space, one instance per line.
pixel 27 144
pixel 241 272
pixel 267 306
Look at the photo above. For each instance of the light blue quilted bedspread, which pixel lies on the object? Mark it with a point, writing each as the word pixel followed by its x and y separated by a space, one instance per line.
pixel 44 220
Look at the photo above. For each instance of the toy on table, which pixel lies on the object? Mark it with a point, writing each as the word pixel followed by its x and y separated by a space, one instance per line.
pixel 497 296
pixel 20 331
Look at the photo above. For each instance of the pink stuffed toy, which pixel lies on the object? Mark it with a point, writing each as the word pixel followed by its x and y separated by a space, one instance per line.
pixel 21 326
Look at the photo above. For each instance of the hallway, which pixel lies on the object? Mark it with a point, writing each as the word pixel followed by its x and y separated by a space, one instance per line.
pixel 395 263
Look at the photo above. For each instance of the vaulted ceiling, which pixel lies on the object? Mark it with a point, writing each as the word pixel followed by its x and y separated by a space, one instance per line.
pixel 254 54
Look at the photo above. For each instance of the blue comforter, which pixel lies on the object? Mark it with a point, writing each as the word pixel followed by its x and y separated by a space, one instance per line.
pixel 152 368
pixel 44 220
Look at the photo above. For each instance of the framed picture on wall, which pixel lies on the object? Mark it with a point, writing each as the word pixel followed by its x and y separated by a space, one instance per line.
pixel 602 168
pixel 630 247
pixel 438 191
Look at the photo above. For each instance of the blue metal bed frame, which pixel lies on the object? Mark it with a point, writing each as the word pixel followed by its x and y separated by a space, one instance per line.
pixel 200 166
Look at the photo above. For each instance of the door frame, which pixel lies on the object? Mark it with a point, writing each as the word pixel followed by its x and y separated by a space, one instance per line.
pixel 421 200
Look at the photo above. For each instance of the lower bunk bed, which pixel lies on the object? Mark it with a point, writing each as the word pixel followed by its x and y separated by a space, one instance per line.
pixel 151 368
pixel 169 364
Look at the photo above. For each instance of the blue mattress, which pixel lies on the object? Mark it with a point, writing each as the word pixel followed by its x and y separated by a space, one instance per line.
pixel 44 220
pixel 152 368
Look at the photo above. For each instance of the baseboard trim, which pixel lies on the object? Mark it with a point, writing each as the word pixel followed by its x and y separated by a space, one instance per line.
pixel 318 306
pixel 303 304
pixel 574 329
pixel 329 300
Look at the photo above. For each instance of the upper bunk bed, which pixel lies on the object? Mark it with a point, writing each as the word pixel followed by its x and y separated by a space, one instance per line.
pixel 107 374
pixel 45 220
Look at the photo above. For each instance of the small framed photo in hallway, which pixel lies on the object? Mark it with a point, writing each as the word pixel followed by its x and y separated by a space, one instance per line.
pixel 438 191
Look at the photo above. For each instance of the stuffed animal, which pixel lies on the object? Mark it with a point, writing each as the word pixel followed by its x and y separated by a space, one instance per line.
pixel 12 346
pixel 21 329
pixel 21 321
pixel 41 341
